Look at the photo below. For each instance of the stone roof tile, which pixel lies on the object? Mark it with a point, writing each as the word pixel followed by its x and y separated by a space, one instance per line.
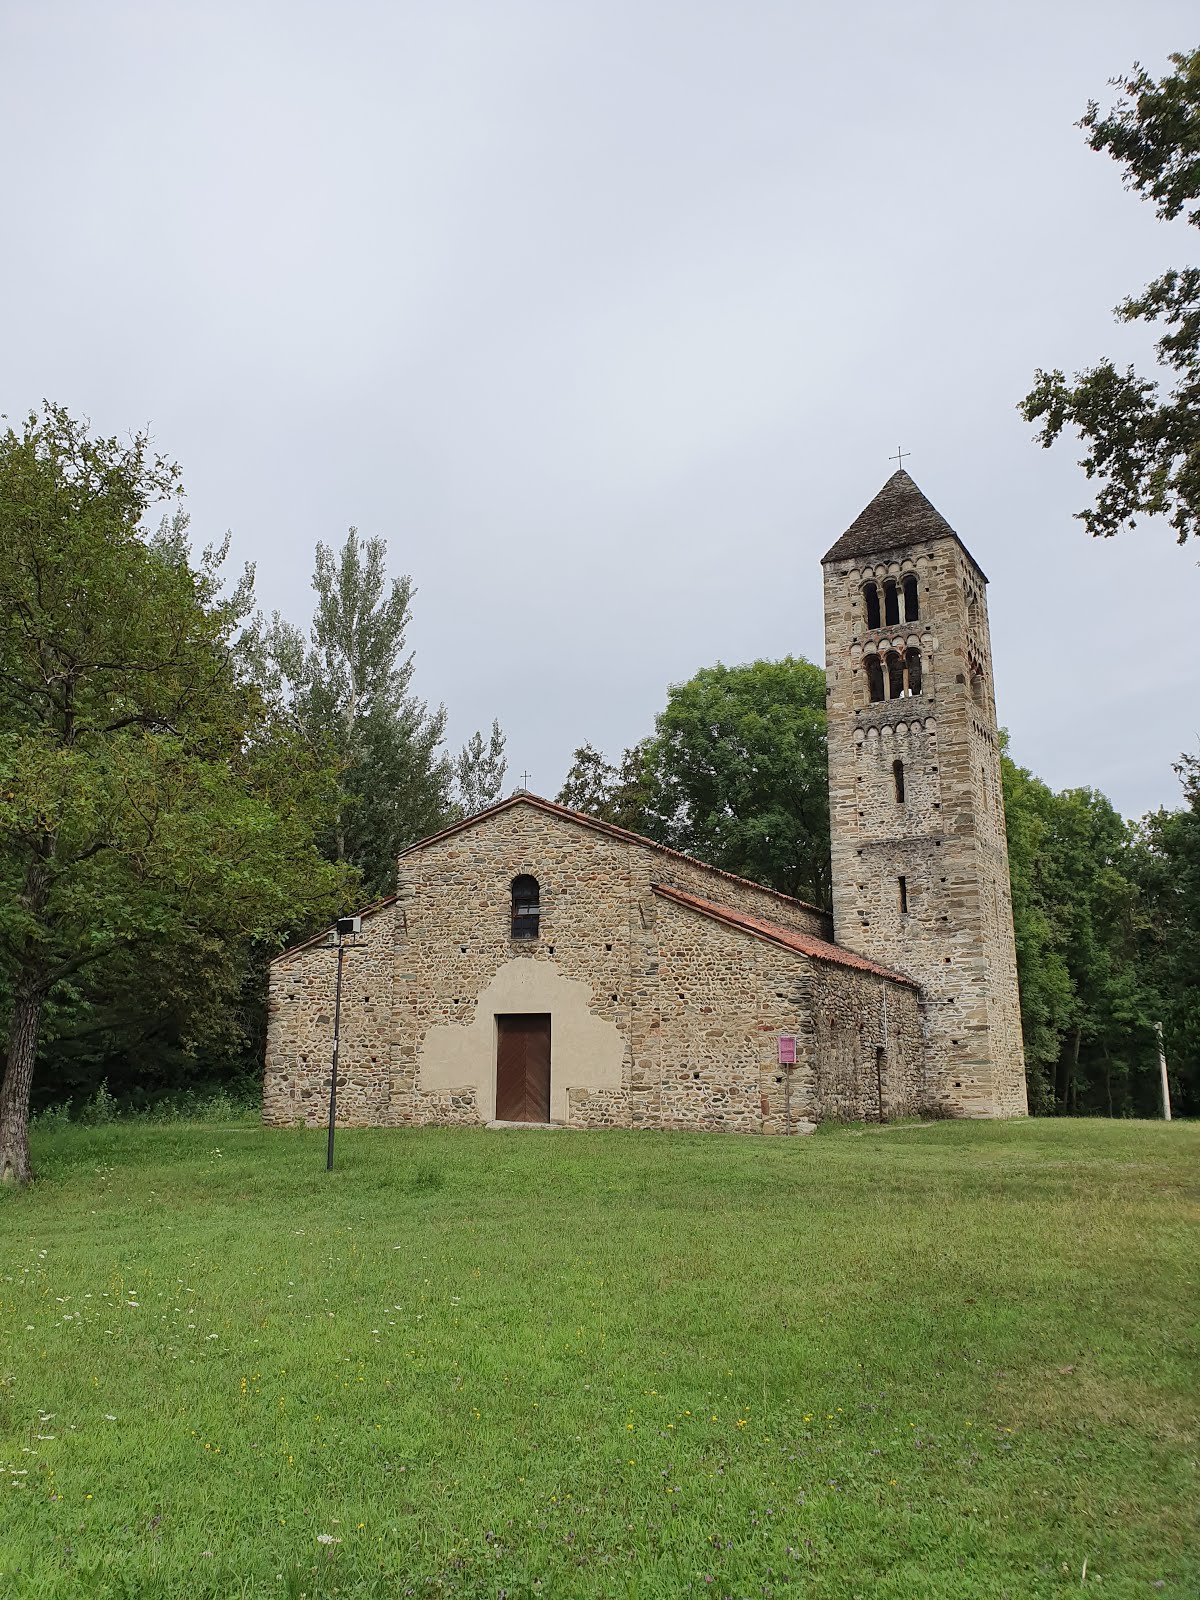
pixel 899 516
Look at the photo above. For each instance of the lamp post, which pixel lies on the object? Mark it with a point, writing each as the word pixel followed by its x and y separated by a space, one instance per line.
pixel 345 928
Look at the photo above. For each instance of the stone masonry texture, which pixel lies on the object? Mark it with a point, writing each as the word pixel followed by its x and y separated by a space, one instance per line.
pixel 950 925
pixel 669 984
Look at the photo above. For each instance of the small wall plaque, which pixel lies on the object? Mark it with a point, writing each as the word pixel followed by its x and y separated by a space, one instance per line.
pixel 787 1050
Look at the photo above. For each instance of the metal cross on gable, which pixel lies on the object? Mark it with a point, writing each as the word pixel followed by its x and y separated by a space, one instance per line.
pixel 898 458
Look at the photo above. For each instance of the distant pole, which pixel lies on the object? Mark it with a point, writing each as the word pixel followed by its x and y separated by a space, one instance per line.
pixel 337 1028
pixel 1162 1068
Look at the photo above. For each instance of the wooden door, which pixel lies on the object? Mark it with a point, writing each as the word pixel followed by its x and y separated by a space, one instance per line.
pixel 523 1069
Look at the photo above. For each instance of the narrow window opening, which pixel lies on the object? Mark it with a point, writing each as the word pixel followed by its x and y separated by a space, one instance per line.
pixel 526 907
pixel 913 661
pixel 875 677
pixel 898 780
pixel 891 602
pixel 871 596
pixel 903 896
pixel 911 610
pixel 895 667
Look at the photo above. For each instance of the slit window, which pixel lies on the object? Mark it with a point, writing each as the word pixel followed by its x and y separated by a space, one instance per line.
pixel 911 611
pixel 898 780
pixel 903 882
pixel 871 599
pixel 526 907
pixel 891 602
pixel 874 677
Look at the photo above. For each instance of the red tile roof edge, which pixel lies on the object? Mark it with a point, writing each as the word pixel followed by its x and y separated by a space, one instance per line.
pixel 524 797
pixel 802 943
pixel 323 933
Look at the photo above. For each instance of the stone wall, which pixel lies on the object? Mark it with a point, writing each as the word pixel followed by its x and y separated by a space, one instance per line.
pixel 950 924
pixel 300 1011
pixel 660 1016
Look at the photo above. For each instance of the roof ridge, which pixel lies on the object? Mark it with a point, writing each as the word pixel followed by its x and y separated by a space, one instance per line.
pixel 808 944
pixel 900 515
pixel 527 797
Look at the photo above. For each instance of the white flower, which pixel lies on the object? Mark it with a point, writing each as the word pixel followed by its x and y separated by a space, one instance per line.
pixel 327 1538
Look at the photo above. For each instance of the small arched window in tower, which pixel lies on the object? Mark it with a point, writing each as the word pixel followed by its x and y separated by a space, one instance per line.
pixel 871 599
pixel 912 659
pixel 891 602
pixel 874 677
pixel 895 674
pixel 526 907
pixel 898 780
pixel 911 611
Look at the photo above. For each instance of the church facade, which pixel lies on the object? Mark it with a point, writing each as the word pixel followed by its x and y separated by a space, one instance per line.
pixel 538 965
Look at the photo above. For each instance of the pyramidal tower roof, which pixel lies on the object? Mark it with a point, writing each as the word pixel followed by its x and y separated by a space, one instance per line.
pixel 899 516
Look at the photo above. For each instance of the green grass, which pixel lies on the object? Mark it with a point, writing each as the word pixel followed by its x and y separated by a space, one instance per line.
pixel 956 1360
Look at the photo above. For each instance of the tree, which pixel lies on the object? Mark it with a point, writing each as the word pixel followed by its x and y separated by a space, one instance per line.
pixel 1166 866
pixel 349 691
pixel 736 773
pixel 479 771
pixel 146 794
pixel 1143 446
pixel 1079 924
pixel 619 795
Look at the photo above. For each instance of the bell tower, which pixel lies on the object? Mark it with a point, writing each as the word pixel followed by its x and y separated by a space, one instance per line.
pixel 920 855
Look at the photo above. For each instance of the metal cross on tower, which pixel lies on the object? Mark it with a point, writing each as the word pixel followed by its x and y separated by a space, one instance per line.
pixel 898 458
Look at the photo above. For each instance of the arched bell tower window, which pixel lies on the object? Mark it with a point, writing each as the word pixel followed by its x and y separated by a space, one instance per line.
pixel 526 907
pixel 912 658
pixel 874 677
pixel 911 611
pixel 895 672
pixel 891 603
pixel 871 599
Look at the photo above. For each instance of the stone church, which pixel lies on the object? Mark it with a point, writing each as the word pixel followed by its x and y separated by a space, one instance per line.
pixel 539 965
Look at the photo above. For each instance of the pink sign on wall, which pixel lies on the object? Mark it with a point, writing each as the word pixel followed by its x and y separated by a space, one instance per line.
pixel 787 1050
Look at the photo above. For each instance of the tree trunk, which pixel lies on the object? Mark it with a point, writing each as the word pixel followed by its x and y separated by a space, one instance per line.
pixel 17 1086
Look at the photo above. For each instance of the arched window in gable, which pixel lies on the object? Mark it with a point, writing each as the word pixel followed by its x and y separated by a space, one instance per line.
pixel 911 611
pixel 526 907
pixel 871 600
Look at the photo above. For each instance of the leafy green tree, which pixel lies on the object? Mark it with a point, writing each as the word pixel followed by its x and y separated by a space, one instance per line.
pixel 146 796
pixel 349 691
pixel 1166 866
pixel 734 773
pixel 479 771
pixel 1078 924
pixel 620 795
pixel 1143 445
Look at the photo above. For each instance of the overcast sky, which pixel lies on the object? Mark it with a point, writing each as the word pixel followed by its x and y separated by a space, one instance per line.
pixel 607 317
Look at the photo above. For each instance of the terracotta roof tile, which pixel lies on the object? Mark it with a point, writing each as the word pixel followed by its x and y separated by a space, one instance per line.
pixel 805 944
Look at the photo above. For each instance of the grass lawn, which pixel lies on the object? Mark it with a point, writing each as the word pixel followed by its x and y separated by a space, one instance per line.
pixel 956 1361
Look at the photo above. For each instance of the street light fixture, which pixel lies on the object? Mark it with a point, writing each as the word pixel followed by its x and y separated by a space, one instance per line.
pixel 345 928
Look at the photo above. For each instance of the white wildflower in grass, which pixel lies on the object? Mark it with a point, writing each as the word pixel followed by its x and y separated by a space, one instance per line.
pixel 327 1538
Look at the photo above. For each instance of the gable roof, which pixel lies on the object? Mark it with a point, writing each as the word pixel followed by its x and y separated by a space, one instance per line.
pixel 552 808
pixel 805 944
pixel 899 516
pixel 524 797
